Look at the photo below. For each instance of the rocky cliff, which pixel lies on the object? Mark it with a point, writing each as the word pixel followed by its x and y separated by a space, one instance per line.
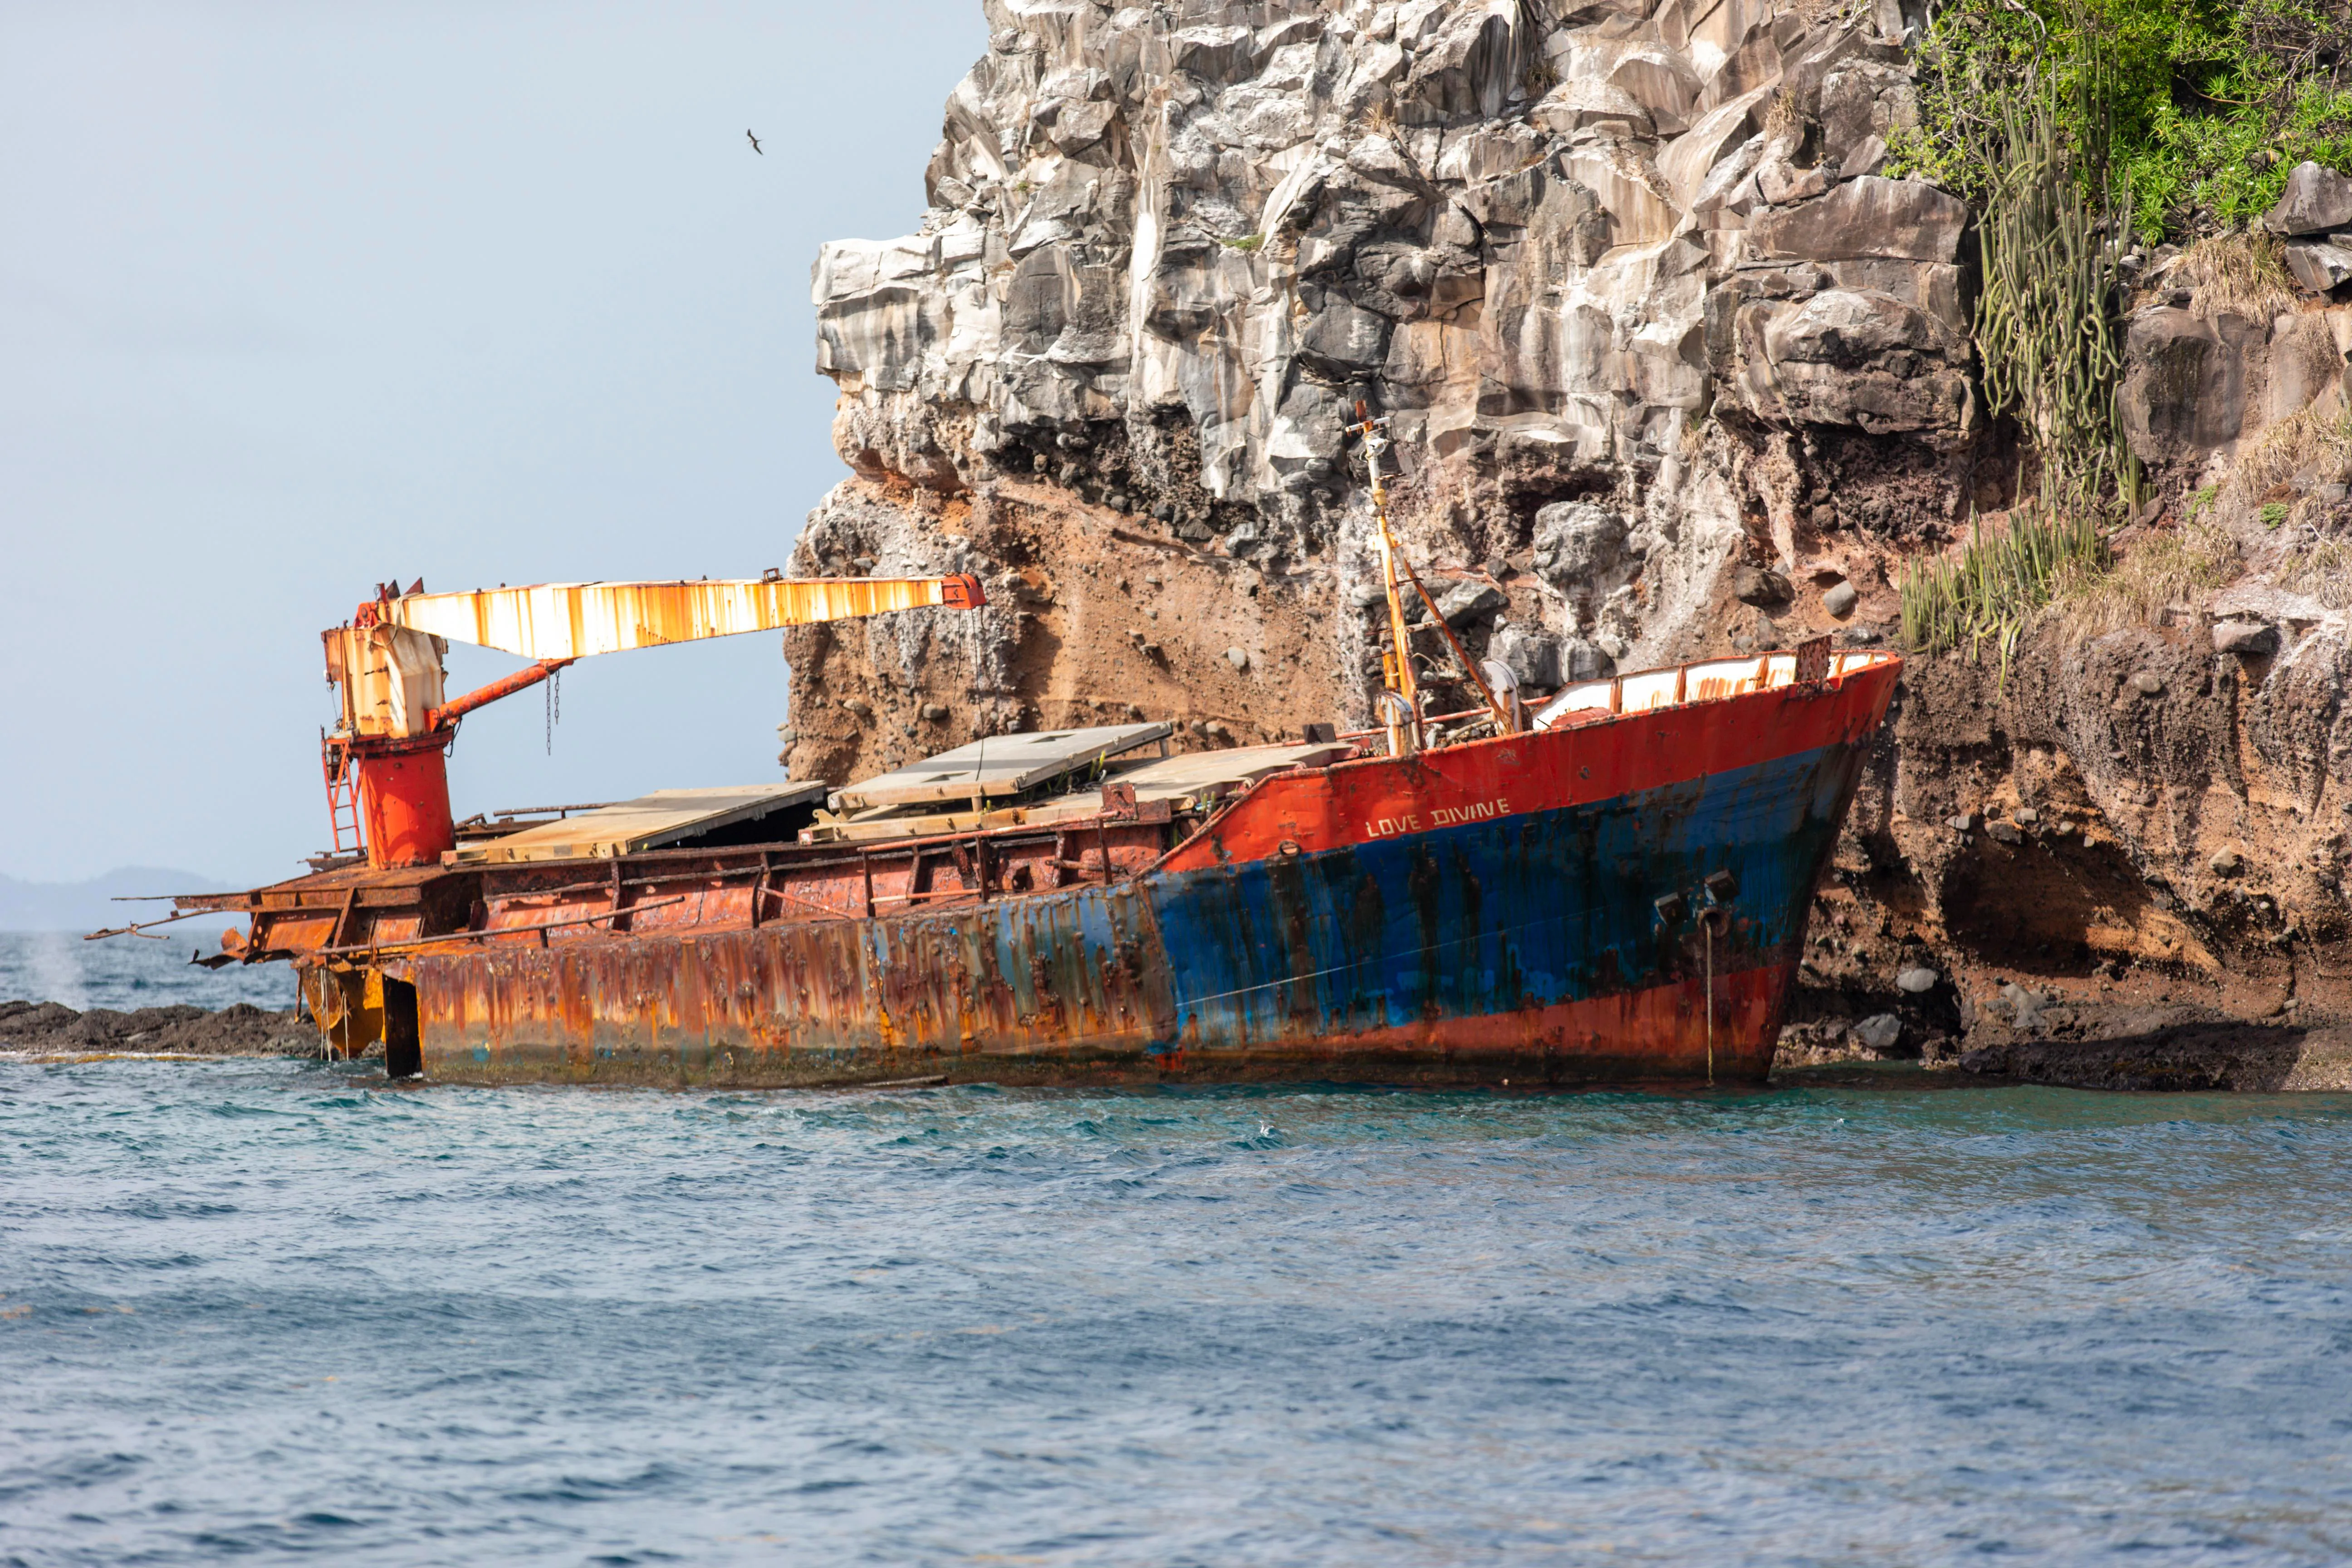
pixel 1673 366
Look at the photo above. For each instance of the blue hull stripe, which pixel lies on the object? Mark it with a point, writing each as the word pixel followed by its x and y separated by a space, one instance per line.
pixel 1493 916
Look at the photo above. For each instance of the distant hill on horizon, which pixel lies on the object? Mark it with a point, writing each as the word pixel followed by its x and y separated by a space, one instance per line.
pixel 89 906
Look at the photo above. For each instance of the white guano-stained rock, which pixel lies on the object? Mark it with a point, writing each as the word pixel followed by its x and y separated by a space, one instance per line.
pixel 1237 219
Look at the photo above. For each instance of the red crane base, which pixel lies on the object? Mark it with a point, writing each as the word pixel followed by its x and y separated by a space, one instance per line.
pixel 405 799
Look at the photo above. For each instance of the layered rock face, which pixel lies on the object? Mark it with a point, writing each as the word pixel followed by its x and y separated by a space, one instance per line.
pixel 1672 365
pixel 1170 249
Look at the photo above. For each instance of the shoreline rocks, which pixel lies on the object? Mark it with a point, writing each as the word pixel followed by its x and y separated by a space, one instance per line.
pixel 240 1030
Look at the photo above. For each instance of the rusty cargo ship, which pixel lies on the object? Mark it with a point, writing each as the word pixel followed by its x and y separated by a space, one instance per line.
pixel 1610 887
pixel 1616 893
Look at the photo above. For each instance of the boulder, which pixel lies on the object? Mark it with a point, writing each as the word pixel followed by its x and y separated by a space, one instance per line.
pixel 1859 101
pixel 1577 542
pixel 1529 652
pixel 1850 328
pixel 2320 264
pixel 1238 657
pixel 1868 217
pixel 1868 157
pixel 1580 658
pixel 1916 981
pixel 1839 599
pixel 1342 340
pixel 2317 200
pixel 2183 391
pixel 1760 586
pixel 2024 1007
pixel 1212 53
pixel 1580 105
pixel 1471 599
pixel 2251 638
pixel 1851 356
pixel 1881 1032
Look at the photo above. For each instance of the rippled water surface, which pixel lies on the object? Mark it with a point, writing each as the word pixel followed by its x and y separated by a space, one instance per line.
pixel 259 1309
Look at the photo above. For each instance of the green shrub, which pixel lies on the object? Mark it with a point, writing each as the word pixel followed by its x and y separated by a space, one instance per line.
pixel 2197 107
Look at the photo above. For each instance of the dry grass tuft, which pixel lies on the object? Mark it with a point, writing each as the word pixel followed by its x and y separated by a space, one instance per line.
pixel 2246 273
pixel 2157 569
pixel 1786 113
pixel 2323 571
pixel 2313 440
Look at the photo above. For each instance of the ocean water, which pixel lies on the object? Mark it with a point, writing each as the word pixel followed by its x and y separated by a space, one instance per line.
pixel 124 972
pixel 262 1310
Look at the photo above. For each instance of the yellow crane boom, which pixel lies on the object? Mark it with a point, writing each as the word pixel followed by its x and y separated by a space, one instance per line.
pixel 574 620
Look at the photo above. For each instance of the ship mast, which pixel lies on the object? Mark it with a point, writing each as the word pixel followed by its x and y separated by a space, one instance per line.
pixel 1401 716
pixel 1399 701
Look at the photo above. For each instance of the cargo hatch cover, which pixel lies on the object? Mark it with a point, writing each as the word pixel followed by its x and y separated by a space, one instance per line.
pixel 1000 765
pixel 649 822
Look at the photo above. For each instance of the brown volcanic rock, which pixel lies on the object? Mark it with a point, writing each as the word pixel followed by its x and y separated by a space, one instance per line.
pixel 2166 1049
pixel 2155 873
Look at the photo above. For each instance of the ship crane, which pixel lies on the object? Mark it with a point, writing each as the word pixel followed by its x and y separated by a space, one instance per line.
pixel 387 761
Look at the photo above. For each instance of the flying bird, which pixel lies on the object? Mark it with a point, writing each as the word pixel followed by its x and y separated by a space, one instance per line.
pixel 754 140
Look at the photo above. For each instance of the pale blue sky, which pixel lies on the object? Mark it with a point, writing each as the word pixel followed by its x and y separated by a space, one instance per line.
pixel 296 297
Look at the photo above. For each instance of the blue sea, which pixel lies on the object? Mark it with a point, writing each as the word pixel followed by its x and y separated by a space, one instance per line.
pixel 263 1310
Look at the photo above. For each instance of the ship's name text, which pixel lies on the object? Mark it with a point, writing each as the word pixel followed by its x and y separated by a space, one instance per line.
pixel 1440 817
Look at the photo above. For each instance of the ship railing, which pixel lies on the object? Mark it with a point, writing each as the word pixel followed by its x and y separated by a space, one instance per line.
pixel 1705 682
